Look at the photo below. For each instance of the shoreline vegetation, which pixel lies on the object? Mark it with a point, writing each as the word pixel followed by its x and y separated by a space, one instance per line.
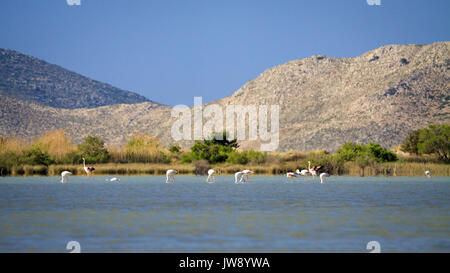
pixel 50 154
pixel 382 169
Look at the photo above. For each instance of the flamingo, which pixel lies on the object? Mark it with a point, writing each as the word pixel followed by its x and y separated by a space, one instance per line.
pixel 314 169
pixel 64 176
pixel 239 177
pixel 114 179
pixel 211 177
pixel 302 172
pixel 246 173
pixel 88 170
pixel 428 174
pixel 322 177
pixel 170 175
pixel 290 175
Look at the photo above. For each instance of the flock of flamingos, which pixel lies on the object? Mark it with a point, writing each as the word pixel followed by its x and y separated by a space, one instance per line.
pixel 239 177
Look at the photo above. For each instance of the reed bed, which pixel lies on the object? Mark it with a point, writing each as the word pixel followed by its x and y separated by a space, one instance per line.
pixel 123 169
pixel 28 170
pixel 56 143
pixel 397 169
pixel 349 168
pixel 143 155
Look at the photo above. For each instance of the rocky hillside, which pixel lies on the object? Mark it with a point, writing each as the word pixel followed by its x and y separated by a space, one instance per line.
pixel 30 79
pixel 379 96
pixel 114 122
pixel 324 102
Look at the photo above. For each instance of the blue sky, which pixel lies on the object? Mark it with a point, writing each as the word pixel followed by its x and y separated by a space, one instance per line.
pixel 171 51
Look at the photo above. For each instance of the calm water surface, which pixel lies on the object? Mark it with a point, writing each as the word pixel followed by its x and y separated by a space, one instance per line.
pixel 270 214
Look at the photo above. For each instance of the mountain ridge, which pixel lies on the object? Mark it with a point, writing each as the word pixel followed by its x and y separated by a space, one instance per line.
pixel 31 79
pixel 324 102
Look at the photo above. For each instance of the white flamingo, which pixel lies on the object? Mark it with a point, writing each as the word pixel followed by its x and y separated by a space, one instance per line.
pixel 239 177
pixel 114 179
pixel 428 174
pixel 64 176
pixel 170 175
pixel 88 170
pixel 322 177
pixel 302 172
pixel 211 177
pixel 246 173
pixel 291 175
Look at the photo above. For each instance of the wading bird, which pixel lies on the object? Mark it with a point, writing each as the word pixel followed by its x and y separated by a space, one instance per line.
pixel 322 177
pixel 211 177
pixel 314 169
pixel 238 177
pixel 246 173
pixel 64 176
pixel 302 172
pixel 428 174
pixel 89 169
pixel 290 175
pixel 114 179
pixel 170 175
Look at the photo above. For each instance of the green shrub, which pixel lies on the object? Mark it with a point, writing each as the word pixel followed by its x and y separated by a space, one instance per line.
pixel 350 151
pixel 435 139
pixel 380 154
pixel 212 151
pixel 256 157
pixel 35 156
pixel 73 157
pixel 236 157
pixel 365 153
pixel 93 150
pixel 410 144
pixel 186 158
pixel 174 149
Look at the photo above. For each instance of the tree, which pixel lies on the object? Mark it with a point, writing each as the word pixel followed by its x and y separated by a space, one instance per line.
pixel 210 151
pixel 435 140
pixel 410 144
pixel 93 150
pixel 215 149
pixel 223 140
pixel 380 154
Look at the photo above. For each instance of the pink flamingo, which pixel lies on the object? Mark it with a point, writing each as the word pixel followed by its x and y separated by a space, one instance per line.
pixel 89 169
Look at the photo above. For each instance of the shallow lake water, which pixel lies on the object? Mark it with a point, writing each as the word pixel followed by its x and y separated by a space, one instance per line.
pixel 268 214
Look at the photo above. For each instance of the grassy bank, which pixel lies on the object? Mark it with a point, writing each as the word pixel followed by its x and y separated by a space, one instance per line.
pixel 54 152
pixel 349 168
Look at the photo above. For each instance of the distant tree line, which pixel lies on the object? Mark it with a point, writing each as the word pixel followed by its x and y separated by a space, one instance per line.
pixel 56 148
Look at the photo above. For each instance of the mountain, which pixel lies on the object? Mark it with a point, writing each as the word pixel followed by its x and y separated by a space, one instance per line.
pixel 27 78
pixel 324 102
pixel 113 122
pixel 379 96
